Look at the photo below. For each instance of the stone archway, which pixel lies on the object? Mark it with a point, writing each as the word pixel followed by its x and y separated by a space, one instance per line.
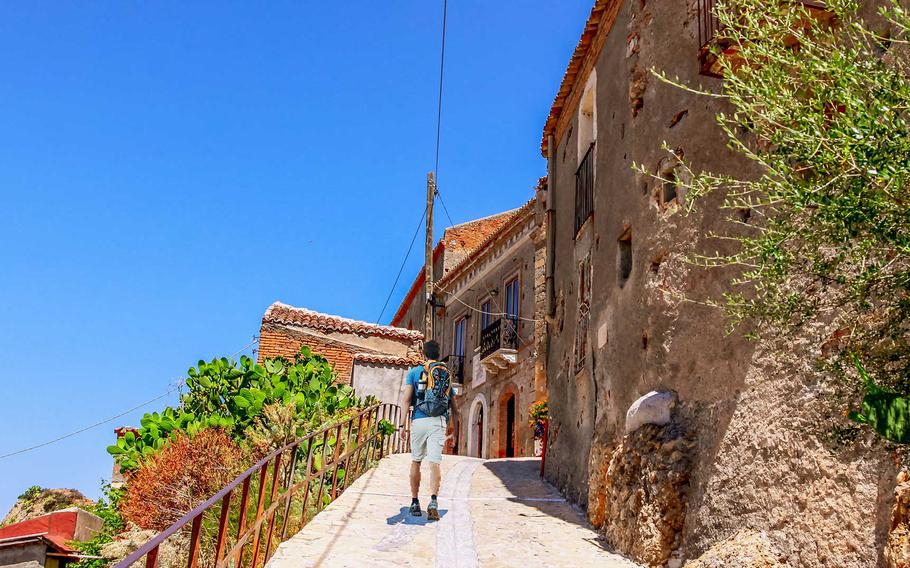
pixel 508 422
pixel 478 428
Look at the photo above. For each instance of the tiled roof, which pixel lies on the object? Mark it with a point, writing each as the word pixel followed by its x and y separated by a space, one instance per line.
pixel 461 240
pixel 516 216
pixel 600 15
pixel 289 315
pixel 458 241
pixel 379 359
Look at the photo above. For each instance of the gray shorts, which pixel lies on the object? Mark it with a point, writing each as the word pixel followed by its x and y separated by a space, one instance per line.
pixel 428 435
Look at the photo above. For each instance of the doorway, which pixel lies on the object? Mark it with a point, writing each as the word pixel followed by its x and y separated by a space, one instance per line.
pixel 479 432
pixel 507 425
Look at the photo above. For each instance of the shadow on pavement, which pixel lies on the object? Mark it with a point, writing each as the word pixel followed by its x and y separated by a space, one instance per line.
pixel 521 478
pixel 405 518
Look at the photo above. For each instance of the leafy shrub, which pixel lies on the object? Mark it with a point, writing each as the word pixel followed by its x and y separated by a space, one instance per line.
pixel 185 472
pixel 818 241
pixel 31 493
pixel 223 395
pixel 108 509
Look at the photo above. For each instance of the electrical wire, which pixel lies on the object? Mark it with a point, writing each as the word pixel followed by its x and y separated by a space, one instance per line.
pixel 442 61
pixel 403 263
pixel 492 314
pixel 112 418
pixel 87 428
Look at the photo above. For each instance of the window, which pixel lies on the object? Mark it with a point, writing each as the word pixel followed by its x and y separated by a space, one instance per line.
pixel 486 311
pixel 512 299
pixel 624 256
pixel 583 315
pixel 586 138
pixel 458 337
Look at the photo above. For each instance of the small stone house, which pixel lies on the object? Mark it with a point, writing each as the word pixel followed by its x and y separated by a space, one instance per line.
pixel 372 358
pixel 489 331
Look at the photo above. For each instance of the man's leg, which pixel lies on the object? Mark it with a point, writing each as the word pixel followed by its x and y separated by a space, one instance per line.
pixel 418 453
pixel 415 478
pixel 435 477
pixel 434 455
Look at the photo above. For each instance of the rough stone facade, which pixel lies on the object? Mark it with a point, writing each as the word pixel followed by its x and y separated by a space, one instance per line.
pixel 285 329
pixel 501 383
pixel 757 459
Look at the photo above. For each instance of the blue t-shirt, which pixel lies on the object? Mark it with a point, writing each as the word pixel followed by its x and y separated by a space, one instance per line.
pixel 414 380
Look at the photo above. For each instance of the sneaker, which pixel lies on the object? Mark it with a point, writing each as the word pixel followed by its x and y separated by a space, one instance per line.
pixel 433 510
pixel 415 509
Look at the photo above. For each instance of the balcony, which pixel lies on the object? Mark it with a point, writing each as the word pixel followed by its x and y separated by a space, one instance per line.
pixel 584 189
pixel 456 367
pixel 499 346
pixel 712 42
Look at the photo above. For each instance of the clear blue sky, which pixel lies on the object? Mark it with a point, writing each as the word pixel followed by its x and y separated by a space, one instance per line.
pixel 168 170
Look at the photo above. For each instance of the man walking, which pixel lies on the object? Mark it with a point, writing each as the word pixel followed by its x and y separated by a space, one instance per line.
pixel 428 389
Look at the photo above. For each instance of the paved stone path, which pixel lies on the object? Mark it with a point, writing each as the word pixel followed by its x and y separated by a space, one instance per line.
pixel 494 513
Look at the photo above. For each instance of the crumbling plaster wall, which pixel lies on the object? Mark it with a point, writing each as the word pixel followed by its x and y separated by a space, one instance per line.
pixel 759 461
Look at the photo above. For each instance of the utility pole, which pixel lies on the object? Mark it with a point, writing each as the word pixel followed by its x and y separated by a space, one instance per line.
pixel 428 267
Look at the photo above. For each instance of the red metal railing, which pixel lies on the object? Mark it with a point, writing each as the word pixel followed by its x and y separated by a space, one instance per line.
pixel 286 497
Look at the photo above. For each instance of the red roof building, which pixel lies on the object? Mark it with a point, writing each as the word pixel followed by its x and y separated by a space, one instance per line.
pixel 45 541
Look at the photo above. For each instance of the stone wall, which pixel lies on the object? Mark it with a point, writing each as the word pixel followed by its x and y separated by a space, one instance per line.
pixel 761 460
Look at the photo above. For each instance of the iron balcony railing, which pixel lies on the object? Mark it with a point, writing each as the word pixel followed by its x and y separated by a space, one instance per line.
pixel 501 334
pixel 584 189
pixel 289 487
pixel 456 367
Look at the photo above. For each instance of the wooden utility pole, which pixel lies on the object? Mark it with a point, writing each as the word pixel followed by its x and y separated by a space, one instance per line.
pixel 428 267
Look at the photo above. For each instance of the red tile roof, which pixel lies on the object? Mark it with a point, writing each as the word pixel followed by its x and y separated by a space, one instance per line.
pixel 603 14
pixel 516 217
pixel 458 241
pixel 379 359
pixel 289 315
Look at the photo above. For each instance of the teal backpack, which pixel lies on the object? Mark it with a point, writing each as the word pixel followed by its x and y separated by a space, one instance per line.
pixel 435 389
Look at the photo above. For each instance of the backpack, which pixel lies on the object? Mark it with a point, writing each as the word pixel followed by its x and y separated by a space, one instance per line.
pixel 436 387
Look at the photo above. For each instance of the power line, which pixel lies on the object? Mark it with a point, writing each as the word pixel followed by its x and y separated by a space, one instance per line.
pixel 442 61
pixel 87 428
pixel 492 314
pixel 403 263
pixel 112 418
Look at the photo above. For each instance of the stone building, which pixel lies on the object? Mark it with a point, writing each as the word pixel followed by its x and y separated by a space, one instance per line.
pixel 457 242
pixel 374 359
pixel 740 459
pixel 489 332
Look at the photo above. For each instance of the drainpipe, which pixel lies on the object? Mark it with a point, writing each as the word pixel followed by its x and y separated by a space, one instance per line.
pixel 550 265
pixel 551 225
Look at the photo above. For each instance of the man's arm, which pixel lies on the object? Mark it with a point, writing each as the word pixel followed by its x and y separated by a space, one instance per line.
pixel 407 395
pixel 454 416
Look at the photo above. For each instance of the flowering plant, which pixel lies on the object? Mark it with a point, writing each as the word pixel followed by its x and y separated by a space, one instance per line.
pixel 538 414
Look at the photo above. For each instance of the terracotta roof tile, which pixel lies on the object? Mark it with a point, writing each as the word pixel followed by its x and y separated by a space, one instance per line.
pixel 458 242
pixel 600 15
pixel 515 217
pixel 289 315
pixel 379 359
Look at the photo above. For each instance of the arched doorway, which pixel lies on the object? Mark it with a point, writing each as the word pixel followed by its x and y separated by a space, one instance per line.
pixel 507 424
pixel 477 428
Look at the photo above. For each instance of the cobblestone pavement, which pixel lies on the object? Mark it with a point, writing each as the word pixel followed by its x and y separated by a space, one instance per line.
pixel 494 513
